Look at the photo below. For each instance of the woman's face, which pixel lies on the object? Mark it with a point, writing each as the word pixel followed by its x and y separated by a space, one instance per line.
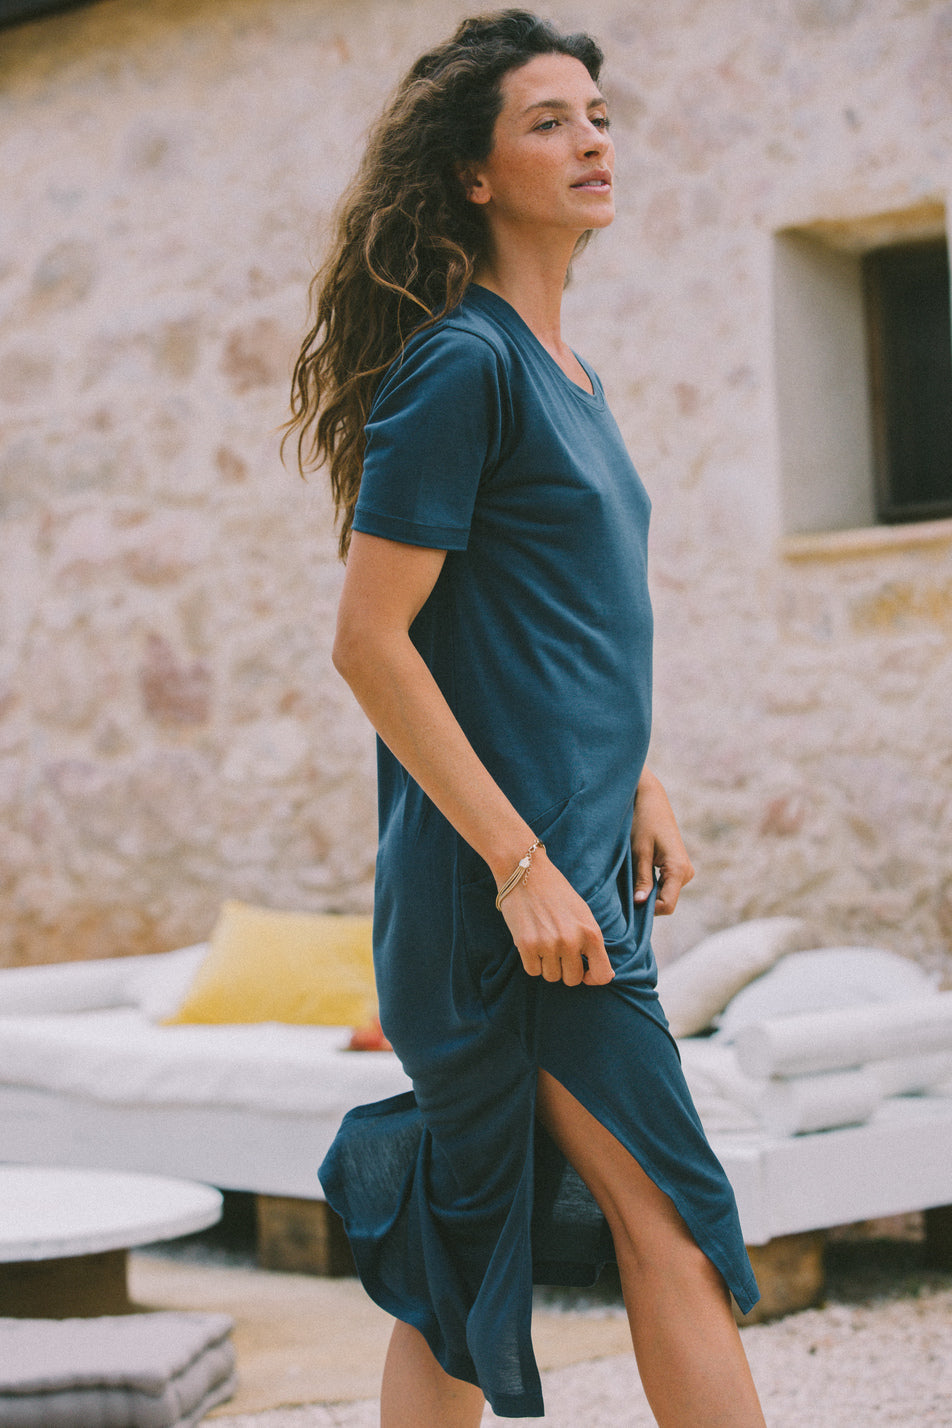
pixel 551 164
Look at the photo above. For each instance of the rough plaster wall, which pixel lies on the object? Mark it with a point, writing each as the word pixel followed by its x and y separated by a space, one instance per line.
pixel 171 731
pixel 803 708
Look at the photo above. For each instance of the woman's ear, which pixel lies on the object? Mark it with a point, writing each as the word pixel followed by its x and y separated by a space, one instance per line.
pixel 473 186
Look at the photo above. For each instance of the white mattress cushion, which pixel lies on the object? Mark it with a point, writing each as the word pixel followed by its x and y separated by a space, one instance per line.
pixel 725 1098
pixel 118 1056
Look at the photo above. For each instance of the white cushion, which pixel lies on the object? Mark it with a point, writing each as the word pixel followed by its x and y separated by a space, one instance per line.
pixel 701 983
pixel 156 982
pixel 158 1370
pixel 826 979
pixel 63 987
pixel 118 1057
pixel 160 981
pixel 724 1097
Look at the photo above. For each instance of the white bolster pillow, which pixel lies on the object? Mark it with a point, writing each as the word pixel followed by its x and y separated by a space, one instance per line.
pixel 835 1040
pixel 913 1075
pixel 816 1103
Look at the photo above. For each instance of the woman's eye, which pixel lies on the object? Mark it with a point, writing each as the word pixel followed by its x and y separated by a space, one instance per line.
pixel 602 121
pixel 546 125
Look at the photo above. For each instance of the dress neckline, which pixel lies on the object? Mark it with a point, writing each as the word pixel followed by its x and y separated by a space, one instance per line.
pixel 485 297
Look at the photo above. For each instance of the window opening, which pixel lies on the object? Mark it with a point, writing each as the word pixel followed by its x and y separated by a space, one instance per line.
pixel 909 346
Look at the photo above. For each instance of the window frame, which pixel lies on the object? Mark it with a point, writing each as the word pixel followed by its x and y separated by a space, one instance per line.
pixel 826 461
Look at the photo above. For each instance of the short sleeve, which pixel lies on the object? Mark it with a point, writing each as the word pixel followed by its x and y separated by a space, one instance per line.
pixel 434 432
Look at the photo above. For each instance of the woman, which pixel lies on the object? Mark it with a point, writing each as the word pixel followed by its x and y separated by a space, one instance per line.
pixel 495 627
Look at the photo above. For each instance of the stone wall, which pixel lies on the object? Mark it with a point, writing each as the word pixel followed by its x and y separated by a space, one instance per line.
pixel 171 731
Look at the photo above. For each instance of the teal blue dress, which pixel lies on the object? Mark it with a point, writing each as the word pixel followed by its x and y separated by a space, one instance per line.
pixel 538 632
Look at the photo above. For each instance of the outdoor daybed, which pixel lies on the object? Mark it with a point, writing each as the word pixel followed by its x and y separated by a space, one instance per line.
pixel 826 1090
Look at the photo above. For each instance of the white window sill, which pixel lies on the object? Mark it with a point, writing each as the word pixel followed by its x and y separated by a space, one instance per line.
pixel 871 540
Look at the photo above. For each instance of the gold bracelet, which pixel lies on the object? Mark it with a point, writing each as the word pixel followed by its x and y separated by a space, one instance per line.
pixel 519 874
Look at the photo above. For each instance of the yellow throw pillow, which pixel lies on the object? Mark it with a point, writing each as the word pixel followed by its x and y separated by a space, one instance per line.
pixel 305 968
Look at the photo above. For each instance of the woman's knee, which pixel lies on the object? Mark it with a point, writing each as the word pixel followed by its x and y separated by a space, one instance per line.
pixel 652 1245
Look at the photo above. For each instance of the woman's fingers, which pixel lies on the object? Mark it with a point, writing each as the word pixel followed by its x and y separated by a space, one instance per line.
pixel 656 842
pixel 600 970
pixel 644 871
pixel 672 877
pixel 574 957
pixel 572 969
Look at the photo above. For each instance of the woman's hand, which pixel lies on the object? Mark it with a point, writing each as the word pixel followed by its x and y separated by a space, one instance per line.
pixel 656 842
pixel 554 930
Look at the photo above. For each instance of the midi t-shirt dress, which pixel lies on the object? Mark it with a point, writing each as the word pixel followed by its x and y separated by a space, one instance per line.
pixel 538 632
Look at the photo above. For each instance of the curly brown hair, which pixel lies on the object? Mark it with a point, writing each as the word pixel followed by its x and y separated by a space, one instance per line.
pixel 407 239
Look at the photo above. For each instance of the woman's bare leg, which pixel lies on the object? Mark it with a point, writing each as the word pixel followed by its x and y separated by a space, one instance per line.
pixel 417 1393
pixel 689 1353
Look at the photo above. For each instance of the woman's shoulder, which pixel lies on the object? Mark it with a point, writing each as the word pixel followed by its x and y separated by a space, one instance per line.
pixel 467 333
pixel 462 356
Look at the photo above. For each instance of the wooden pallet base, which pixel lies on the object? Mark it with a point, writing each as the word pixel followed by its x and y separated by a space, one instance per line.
pixel 937 1249
pixel 302 1236
pixel 789 1273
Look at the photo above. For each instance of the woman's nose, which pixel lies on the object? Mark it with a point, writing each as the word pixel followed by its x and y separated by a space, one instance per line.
pixel 593 140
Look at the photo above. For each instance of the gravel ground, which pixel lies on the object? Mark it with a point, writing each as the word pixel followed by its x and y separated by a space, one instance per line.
pixel 879 1352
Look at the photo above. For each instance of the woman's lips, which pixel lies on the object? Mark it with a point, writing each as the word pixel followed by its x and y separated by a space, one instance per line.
pixel 597 180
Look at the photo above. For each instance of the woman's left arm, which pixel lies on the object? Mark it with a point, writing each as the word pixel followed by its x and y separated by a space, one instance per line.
pixel 656 842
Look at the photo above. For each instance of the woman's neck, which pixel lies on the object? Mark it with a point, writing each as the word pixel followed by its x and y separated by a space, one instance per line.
pixel 531 281
pixel 537 298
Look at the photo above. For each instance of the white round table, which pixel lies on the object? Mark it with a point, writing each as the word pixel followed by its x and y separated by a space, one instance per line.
pixel 65 1233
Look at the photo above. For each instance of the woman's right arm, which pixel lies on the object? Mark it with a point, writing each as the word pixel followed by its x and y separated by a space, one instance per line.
pixel 385 587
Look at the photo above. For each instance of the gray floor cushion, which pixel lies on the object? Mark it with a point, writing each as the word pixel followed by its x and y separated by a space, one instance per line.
pixel 152 1370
